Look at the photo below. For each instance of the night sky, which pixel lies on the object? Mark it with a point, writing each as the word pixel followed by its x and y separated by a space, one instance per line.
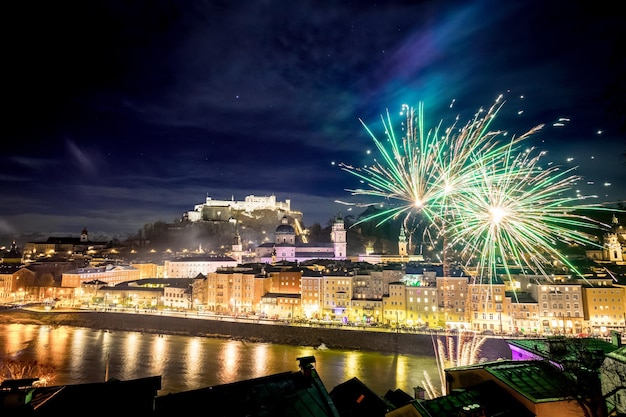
pixel 122 113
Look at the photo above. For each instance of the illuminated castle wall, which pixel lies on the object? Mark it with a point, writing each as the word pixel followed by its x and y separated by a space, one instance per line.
pixel 250 203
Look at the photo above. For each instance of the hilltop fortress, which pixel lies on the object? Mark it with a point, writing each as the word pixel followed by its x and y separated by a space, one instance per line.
pixel 210 208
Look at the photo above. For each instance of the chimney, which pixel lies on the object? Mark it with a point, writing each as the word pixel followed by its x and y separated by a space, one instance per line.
pixel 616 338
pixel 307 364
pixel 419 393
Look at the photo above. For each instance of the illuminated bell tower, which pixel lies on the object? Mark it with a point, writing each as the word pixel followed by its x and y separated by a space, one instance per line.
pixel 338 237
pixel 612 246
pixel 84 236
pixel 237 249
pixel 402 245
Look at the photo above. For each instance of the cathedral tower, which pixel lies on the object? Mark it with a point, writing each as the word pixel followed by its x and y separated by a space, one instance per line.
pixel 402 251
pixel 338 237
pixel 613 251
pixel 84 236
pixel 237 249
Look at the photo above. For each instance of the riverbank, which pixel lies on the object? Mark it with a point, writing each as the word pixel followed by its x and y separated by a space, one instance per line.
pixel 278 333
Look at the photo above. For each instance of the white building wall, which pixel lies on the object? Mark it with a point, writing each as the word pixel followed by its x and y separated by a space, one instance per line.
pixel 250 203
pixel 191 269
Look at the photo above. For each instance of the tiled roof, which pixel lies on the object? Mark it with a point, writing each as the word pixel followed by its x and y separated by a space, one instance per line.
pixel 161 282
pixel 75 400
pixel 326 245
pixel 294 394
pixel 315 255
pixel 67 240
pixel 519 297
pixel 537 380
pixel 560 349
pixel 398 398
pixel 205 259
pixel 281 295
pixel 484 399
pixel 353 398
pixel 619 354
pixel 10 268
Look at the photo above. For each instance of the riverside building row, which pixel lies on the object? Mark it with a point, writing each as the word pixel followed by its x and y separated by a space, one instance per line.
pixel 409 295
pixel 304 285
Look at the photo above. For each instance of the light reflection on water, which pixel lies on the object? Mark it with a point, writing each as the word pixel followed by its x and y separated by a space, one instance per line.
pixel 81 355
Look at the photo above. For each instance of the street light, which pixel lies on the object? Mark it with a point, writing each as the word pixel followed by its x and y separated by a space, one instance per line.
pixel 397 322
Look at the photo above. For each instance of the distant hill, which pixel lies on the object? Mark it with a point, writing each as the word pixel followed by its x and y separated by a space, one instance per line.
pixel 217 231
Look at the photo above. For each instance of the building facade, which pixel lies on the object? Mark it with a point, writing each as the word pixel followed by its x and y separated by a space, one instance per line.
pixel 111 275
pixel 287 248
pixel 191 266
pixel 67 246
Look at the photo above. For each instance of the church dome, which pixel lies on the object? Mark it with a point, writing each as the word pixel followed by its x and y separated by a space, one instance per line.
pixel 284 228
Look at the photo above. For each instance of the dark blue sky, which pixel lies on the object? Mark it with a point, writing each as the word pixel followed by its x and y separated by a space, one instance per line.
pixel 122 113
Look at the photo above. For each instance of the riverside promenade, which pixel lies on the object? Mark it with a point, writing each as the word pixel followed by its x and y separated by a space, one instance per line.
pixel 277 332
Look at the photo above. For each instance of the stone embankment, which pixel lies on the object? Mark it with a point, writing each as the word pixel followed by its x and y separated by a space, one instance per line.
pixel 278 333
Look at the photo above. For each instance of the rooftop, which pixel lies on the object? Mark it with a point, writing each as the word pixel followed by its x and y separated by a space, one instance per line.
pixel 294 394
pixel 484 399
pixel 561 349
pixel 536 380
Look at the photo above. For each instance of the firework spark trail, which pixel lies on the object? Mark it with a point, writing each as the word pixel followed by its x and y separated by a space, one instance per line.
pixel 422 172
pixel 516 213
pixel 477 191
pixel 406 171
pixel 429 387
pixel 441 366
pixel 450 353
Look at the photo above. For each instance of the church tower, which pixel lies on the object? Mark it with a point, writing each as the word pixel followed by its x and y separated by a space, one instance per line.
pixel 402 251
pixel 338 237
pixel 84 236
pixel 237 249
pixel 612 246
pixel 285 233
pixel 12 256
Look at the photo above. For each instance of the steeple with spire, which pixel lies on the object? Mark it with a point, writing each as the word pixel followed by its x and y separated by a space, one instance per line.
pixel 237 248
pixel 84 235
pixel 615 242
pixel 402 244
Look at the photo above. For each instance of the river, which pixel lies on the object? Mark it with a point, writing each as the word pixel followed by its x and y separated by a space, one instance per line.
pixel 84 355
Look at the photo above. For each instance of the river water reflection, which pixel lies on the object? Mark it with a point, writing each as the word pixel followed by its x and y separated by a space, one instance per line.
pixel 81 355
